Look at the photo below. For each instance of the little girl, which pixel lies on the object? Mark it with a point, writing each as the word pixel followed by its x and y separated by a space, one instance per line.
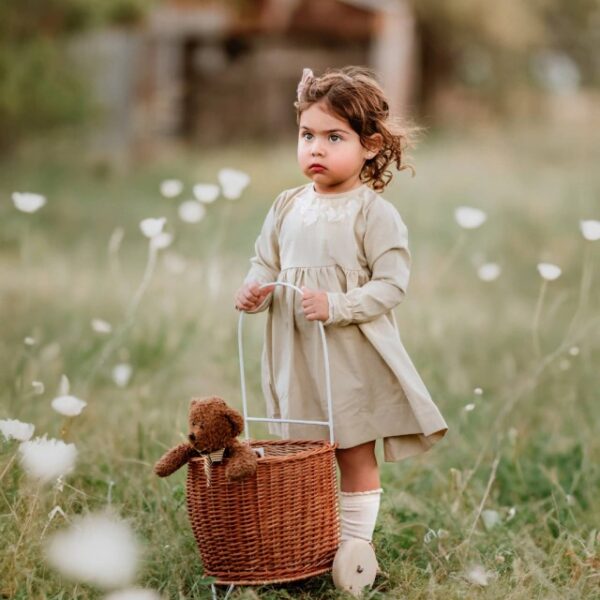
pixel 346 247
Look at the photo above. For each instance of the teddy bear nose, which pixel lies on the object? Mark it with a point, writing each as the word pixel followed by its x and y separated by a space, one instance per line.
pixel 192 437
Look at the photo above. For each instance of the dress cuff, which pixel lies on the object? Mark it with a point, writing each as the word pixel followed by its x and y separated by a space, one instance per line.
pixel 339 309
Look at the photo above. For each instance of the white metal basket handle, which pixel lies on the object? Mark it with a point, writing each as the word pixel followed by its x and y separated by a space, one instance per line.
pixel 328 423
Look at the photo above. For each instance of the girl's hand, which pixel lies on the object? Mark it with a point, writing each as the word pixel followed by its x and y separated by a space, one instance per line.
pixel 315 305
pixel 251 295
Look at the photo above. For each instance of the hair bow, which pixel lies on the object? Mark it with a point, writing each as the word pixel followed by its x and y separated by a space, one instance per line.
pixel 307 75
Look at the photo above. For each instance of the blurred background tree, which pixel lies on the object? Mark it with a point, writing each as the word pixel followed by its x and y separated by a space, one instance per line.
pixel 473 59
pixel 40 88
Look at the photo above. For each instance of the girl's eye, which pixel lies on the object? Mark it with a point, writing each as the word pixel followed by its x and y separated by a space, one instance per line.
pixel 304 135
pixel 334 135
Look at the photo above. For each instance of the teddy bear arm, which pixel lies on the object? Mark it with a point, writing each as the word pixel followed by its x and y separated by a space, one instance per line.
pixel 242 462
pixel 174 459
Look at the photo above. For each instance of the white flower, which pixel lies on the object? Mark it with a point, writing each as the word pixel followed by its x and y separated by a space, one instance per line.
pixel 468 217
pixel 29 341
pixel 512 511
pixel 489 271
pixel 564 364
pixel 549 271
pixel 162 240
pixel 134 594
pixel 573 350
pixel 469 407
pixel 64 386
pixel 477 574
pixel 121 374
pixel 17 430
pixel 47 459
pixel 191 211
pixel 590 229
pixel 478 391
pixel 429 535
pixel 101 326
pixel 98 549
pixel 38 387
pixel 206 192
pixel 151 227
pixel 174 262
pixel 70 406
pixel 233 182
pixel 490 518
pixel 170 188
pixel 28 202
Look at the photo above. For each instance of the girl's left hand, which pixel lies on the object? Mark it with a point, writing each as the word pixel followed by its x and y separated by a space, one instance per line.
pixel 315 305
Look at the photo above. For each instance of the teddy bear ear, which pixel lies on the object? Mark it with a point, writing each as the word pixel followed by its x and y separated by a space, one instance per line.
pixel 236 420
pixel 194 401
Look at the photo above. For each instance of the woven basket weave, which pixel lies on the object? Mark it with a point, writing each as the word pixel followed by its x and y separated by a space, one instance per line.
pixel 282 525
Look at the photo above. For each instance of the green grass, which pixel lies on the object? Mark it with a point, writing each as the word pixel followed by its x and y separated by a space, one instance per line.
pixel 530 443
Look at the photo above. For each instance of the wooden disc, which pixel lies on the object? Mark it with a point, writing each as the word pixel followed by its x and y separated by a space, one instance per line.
pixel 354 566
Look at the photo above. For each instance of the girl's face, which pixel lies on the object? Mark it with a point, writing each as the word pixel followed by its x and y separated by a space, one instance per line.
pixel 329 151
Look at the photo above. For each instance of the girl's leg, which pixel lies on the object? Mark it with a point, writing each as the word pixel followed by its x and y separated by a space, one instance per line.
pixel 358 468
pixel 360 491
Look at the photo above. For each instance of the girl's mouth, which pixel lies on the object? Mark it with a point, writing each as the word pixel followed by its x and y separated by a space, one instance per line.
pixel 316 168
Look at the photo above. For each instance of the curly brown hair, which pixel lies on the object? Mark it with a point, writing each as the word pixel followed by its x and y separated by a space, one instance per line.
pixel 353 93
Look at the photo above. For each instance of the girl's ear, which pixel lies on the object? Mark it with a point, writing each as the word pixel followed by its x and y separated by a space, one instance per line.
pixel 373 145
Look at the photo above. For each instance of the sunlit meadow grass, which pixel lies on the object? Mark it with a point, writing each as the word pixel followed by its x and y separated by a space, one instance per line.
pixel 527 451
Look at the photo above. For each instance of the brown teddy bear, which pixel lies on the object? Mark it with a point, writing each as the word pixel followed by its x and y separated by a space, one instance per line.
pixel 214 426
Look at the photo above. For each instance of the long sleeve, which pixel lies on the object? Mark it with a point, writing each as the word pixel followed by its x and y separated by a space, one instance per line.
pixel 265 264
pixel 388 259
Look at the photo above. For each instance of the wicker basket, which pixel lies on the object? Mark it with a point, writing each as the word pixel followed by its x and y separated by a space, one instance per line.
pixel 280 526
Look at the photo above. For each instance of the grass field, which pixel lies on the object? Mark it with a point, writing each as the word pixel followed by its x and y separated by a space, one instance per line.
pixel 526 451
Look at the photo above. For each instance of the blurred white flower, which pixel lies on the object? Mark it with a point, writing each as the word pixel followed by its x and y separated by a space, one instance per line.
pixel 38 387
pixel 573 350
pixel 468 217
pixel 98 549
pixel 564 364
pixel 191 211
pixel 490 518
pixel 206 192
pixel 101 326
pixel 469 407
pixel 233 182
pixel 29 341
pixel 170 188
pixel 478 391
pixel 512 511
pixel 70 406
pixel 162 240
pixel 590 229
pixel 442 533
pixel 17 430
pixel 28 202
pixel 134 594
pixel 477 574
pixel 47 459
pixel 429 535
pixel 489 271
pixel 151 227
pixel 64 386
pixel 175 263
pixel 121 374
pixel 549 271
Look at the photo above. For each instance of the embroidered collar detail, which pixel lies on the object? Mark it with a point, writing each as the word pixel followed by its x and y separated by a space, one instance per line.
pixel 317 207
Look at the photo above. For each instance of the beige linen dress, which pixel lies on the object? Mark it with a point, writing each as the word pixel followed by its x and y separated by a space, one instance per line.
pixel 354 245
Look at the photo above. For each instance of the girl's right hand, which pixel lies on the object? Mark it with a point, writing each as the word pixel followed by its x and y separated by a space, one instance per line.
pixel 251 295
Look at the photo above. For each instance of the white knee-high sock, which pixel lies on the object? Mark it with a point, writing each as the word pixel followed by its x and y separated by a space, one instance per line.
pixel 358 513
